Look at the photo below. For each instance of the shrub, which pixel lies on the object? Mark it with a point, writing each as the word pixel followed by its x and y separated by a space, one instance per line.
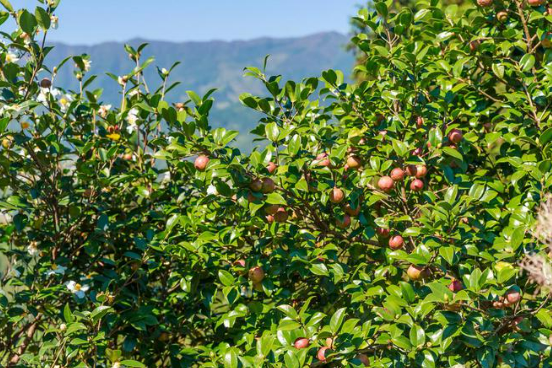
pixel 137 236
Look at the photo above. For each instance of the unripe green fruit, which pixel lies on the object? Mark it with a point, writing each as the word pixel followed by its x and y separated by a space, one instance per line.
pixel 354 162
pixel 502 16
pixel 415 272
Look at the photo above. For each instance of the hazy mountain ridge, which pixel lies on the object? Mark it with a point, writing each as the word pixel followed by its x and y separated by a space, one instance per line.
pixel 212 64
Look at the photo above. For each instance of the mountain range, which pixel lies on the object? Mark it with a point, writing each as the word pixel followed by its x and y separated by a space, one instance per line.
pixel 211 64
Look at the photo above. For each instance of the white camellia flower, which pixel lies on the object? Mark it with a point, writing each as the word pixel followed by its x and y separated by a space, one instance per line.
pixel 166 177
pixel 87 64
pixel 132 118
pixel 44 94
pixel 122 81
pixel 32 249
pixel 104 110
pixel 55 21
pixel 116 365
pixel 77 289
pixel 11 57
pixel 5 218
pixel 65 101
pixel 211 189
pixel 134 92
pixel 56 270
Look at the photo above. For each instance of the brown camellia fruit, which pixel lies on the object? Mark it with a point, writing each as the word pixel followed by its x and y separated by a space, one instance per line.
pixel 417 185
pixel 268 186
pixel 354 162
pixel 455 286
pixel 321 355
pixel 415 272
pixel 45 83
pixel 484 3
pixel 336 195
pixel 421 171
pixel 201 162
pixel 536 2
pixel 364 359
pixel 420 121
pixel 322 159
pixel 256 185
pixel 502 16
pixel 396 242
pixel 385 183
pixel 455 136
pixel 271 209
pixel 281 215
pixel 270 219
pixel 474 45
pixel 301 343
pixel 256 274
pixel 271 167
pixel 513 296
pixel 383 232
pixel 352 211
pixel 411 170
pixel 345 223
pixel 397 174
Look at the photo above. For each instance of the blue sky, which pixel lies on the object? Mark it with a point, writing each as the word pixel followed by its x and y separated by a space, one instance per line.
pixel 93 21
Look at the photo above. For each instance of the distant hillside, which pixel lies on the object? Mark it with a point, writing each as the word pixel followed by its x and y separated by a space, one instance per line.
pixel 214 64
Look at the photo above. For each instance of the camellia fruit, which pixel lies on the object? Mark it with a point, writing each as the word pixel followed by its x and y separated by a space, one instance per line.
pixel 383 232
pixel 201 162
pixel 397 174
pixel 385 183
pixel 421 171
pixel 352 211
pixel 322 159
pixel 268 186
pixel 256 185
pixel 474 45
pixel 270 219
pixel 45 83
pixel 321 355
pixel 513 296
pixel 271 167
pixel 417 152
pixel 256 274
pixel 484 3
pixel 364 359
pixel 415 272
pixel 336 195
pixel 345 223
pixel 396 242
pixel 417 185
pixel 455 136
pixel 301 343
pixel 536 2
pixel 353 162
pixel 281 215
pixel 271 209
pixel 502 16
pixel 455 286
pixel 411 170
pixel 420 121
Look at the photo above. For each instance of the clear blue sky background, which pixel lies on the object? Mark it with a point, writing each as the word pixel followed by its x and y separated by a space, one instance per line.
pixel 93 21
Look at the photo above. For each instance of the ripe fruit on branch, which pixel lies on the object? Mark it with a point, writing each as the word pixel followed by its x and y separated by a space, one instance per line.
pixel 364 359
pixel 502 16
pixel 396 242
pixel 352 211
pixel 271 209
pixel 536 2
pixel 421 171
pixel 455 286
pixel 455 136
pixel 329 342
pixel 268 186
pixel 354 162
pixel 336 195
pixel 256 274
pixel 383 232
pixel 397 174
pixel 301 343
pixel 127 156
pixel 321 355
pixel 256 185
pixel 484 3
pixel 345 223
pixel 411 170
pixel 385 183
pixel 420 121
pixel 45 83
pixel 417 185
pixel 281 215
pixel 415 272
pixel 239 263
pixel 271 167
pixel 474 45
pixel 513 296
pixel 201 162
pixel 322 159
pixel 417 152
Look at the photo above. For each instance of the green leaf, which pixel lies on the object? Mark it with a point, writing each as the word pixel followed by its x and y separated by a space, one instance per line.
pixel 132 363
pixel 527 62
pixel 226 278
pixel 272 131
pixel 43 18
pixel 337 320
pixel 7 5
pixel 417 336
pixel 27 22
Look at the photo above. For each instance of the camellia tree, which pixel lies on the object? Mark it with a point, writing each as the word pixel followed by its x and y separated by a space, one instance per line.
pixel 382 223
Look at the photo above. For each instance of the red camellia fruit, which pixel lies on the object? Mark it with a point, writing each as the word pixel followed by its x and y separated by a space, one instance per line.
pixel 383 232
pixel 354 162
pixel 421 171
pixel 352 211
pixel 417 185
pixel 415 272
pixel 364 359
pixel 411 170
pixel 386 183
pixel 201 162
pixel 256 185
pixel 336 195
pixel 239 263
pixel 322 159
pixel 345 223
pixel 513 296
pixel 256 274
pixel 268 186
pixel 397 174
pixel 536 2
pixel 455 136
pixel 321 355
pixel 301 343
pixel 417 152
pixel 484 3
pixel 281 215
pixel 270 219
pixel 271 167
pixel 455 286
pixel 420 121
pixel 396 242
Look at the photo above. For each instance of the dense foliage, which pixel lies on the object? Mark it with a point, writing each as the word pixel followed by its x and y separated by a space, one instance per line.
pixel 382 223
